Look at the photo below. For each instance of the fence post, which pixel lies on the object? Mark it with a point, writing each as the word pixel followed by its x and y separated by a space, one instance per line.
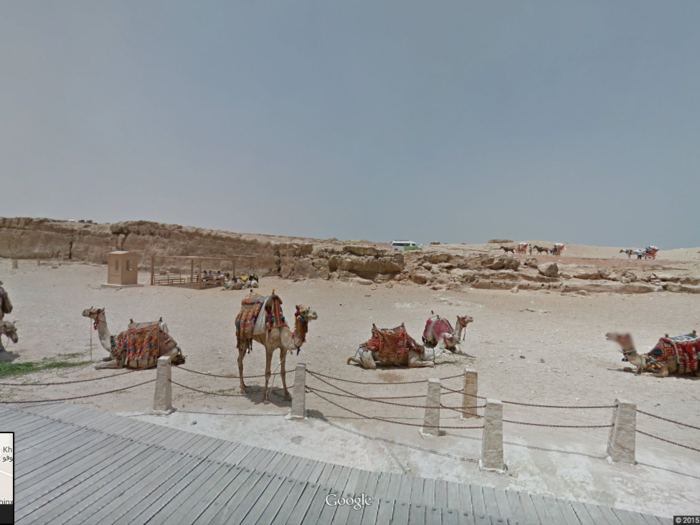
pixel 299 397
pixel 492 437
pixel 15 265
pixel 431 421
pixel 623 434
pixel 163 397
pixel 471 388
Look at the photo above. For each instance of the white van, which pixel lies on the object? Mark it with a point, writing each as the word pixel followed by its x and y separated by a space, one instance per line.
pixel 404 245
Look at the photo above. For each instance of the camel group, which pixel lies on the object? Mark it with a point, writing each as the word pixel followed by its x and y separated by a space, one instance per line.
pixel 241 282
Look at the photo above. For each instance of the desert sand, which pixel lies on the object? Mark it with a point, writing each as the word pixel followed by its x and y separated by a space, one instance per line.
pixel 542 347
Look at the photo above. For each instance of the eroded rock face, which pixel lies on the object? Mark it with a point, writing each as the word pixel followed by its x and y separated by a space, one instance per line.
pixel 531 262
pixel 549 269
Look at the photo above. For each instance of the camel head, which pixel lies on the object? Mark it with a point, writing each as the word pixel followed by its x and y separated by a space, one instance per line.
pixel 624 340
pixel 305 314
pixel 178 358
pixel 96 314
pixel 10 330
pixel 465 320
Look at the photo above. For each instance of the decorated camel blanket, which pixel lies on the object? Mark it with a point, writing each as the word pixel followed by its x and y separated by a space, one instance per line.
pixel 147 342
pixel 391 345
pixel 249 321
pixel 685 348
pixel 435 328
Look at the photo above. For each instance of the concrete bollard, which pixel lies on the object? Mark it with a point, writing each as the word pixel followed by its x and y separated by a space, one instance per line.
pixel 431 421
pixel 492 437
pixel 623 434
pixel 15 264
pixel 471 389
pixel 163 397
pixel 299 397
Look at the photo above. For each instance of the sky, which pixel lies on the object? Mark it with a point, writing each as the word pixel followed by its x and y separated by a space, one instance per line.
pixel 452 121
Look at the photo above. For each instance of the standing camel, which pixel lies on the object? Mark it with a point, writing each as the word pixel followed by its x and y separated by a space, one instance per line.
pixel 273 338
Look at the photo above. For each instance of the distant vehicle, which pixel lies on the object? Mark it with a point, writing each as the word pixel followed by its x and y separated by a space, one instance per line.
pixel 405 245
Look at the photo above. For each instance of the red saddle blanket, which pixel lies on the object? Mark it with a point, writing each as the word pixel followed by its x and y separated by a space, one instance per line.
pixel 685 348
pixel 146 342
pixel 391 345
pixel 251 307
pixel 435 327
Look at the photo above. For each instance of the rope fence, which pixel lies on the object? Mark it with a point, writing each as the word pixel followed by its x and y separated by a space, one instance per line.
pixel 79 397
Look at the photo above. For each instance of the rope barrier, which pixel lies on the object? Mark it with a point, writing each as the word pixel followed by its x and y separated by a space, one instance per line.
pixel 380 382
pixel 669 420
pixel 80 397
pixel 555 426
pixel 449 390
pixel 230 377
pixel 668 441
pixel 67 382
pixel 313 391
pixel 532 404
pixel 224 395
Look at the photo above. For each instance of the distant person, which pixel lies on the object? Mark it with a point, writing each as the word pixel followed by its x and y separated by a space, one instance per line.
pixel 639 254
pixel 5 304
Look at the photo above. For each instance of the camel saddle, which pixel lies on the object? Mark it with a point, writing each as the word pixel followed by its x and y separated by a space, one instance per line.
pixel 250 322
pixel 435 327
pixel 391 345
pixel 684 348
pixel 144 341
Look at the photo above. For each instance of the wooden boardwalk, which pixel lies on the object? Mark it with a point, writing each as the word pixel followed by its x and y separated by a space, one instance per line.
pixel 76 465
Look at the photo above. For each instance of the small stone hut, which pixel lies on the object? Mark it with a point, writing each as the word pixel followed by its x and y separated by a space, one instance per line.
pixel 123 268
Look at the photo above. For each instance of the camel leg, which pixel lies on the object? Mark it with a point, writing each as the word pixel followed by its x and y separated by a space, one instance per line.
pixel 109 364
pixel 283 362
pixel 414 361
pixel 268 362
pixel 241 355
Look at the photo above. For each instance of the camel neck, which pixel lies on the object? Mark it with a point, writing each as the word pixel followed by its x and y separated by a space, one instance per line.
pixel 300 330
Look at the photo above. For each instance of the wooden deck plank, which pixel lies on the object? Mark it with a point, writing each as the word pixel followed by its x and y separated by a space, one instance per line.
pixel 355 517
pixel 625 517
pixel 433 515
pixel 482 519
pixel 279 459
pixel 51 439
pixel 220 453
pixel 166 488
pixel 112 506
pixel 554 510
pixel 416 514
pixel 465 498
pixel 568 511
pixel 405 487
pixel 441 493
pixel 185 493
pixel 383 480
pixel 478 503
pixel 210 493
pixel 279 498
pixel 492 508
pixel 65 504
pixel 244 478
pixel 517 512
pixel 596 514
pixel 205 446
pixel 453 499
pixel 428 496
pixel 338 485
pixel 264 460
pixel 655 520
pixel 466 517
pixel 266 498
pixel 385 513
pixel 528 507
pixel 232 500
pixel 278 467
pixel 343 513
pixel 581 513
pixel 296 502
pixel 287 468
pixel 541 509
pixel 402 510
pixel 450 516
pixel 610 515
pixel 309 507
pixel 312 470
pixel 235 456
pixel 369 513
pixel 504 507
pixel 250 501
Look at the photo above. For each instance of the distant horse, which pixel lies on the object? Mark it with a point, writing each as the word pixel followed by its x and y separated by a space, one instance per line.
pixel 541 249
pixel 629 252
pixel 506 249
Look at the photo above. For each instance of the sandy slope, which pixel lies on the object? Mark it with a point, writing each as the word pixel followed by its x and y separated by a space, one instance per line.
pixel 566 361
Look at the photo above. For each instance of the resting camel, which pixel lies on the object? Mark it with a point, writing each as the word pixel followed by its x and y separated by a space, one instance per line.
pixel 541 249
pixel 507 249
pixel 10 330
pixel 286 341
pixel 647 361
pixel 99 320
pixel 449 341
pixel 416 357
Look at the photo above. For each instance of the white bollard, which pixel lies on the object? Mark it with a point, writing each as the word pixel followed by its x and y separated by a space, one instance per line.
pixel 163 397
pixel 623 434
pixel 492 437
pixel 471 389
pixel 299 397
pixel 15 265
pixel 431 421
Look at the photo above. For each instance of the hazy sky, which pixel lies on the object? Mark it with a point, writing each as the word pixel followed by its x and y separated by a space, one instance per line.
pixel 571 121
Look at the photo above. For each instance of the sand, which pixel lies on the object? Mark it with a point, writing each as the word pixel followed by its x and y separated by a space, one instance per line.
pixel 565 360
